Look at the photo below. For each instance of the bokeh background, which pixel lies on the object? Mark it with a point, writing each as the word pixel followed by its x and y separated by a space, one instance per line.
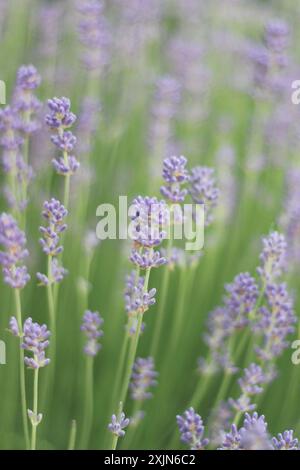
pixel 220 115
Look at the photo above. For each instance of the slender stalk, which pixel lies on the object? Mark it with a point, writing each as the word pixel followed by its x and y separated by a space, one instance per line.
pixel 131 358
pixel 22 369
pixel 161 306
pixel 35 407
pixel 72 438
pixel 89 398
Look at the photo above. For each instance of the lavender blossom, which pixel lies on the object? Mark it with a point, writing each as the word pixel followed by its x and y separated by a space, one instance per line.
pixel 250 384
pixel 192 430
pixel 286 441
pixel 148 259
pixel 175 175
pixel 60 119
pixel 143 377
pixel 164 108
pixel 272 257
pixel 14 327
pixel 274 322
pixel 54 213
pixel 136 300
pixel 18 172
pixel 241 299
pixel 117 425
pixel 254 434
pixel 24 101
pixel 35 340
pixel 95 35
pixel 232 439
pixel 13 241
pixel 276 36
pixel 91 325
pixel 203 190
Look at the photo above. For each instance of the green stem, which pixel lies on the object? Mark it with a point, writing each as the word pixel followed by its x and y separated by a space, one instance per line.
pixel 131 358
pixel 72 438
pixel 22 369
pixel 89 398
pixel 161 306
pixel 35 407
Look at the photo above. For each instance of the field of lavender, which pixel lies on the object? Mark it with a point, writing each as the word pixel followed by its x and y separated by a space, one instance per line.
pixel 140 343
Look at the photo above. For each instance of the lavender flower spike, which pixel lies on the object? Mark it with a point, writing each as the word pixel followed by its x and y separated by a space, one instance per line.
pixel 24 102
pixel 272 257
pixel 35 340
pixel 54 213
pixel 191 429
pixel 286 441
pixel 203 190
pixel 117 425
pixel 13 241
pixel 175 175
pixel 91 325
pixel 59 120
pixel 143 377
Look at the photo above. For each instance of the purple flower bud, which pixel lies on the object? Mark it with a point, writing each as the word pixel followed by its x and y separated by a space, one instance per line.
pixel 136 299
pixel 147 259
pixel 203 190
pixel 35 340
pixel 28 77
pixel 272 257
pixel 60 116
pixel 175 174
pixel 143 377
pixel 286 441
pixel 117 425
pixel 91 325
pixel 192 430
pixel 14 327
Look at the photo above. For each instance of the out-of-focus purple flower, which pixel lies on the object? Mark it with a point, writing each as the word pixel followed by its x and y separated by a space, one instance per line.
pixel 251 384
pixel 28 77
pixel 13 241
pixel 254 434
pixel 14 327
pixel 241 298
pixel 291 218
pixel 91 325
pixel 252 380
pixel 192 430
pixel 274 322
pixel 88 122
pixel 143 377
pixel 164 108
pixel 95 34
pixel 118 424
pixel 35 340
pixel 16 276
pixel 276 36
pixel 272 257
pixel 286 441
pixel 136 299
pixel 203 190
pixel 175 175
pixel 25 102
